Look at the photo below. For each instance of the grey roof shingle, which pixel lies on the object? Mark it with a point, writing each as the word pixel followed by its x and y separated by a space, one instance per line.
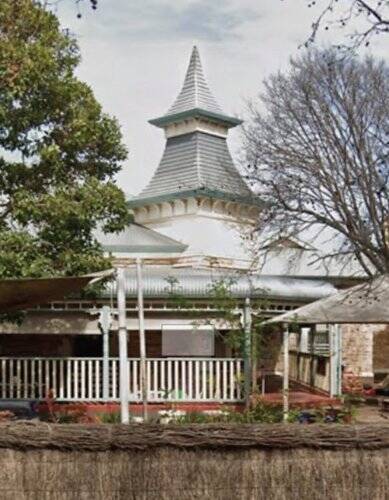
pixel 196 161
pixel 195 92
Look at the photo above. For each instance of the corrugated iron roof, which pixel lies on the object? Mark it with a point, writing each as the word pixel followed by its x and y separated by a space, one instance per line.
pixel 365 303
pixel 163 281
pixel 136 238
pixel 196 161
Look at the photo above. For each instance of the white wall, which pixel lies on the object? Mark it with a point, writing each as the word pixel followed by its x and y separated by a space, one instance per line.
pixel 208 236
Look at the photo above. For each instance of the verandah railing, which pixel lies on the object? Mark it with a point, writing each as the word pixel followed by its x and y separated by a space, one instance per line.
pixel 81 379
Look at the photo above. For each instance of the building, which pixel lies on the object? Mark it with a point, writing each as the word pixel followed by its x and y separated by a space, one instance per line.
pixel 199 214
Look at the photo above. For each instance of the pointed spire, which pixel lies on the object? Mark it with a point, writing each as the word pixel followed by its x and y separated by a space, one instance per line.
pixel 195 100
pixel 195 92
pixel 196 160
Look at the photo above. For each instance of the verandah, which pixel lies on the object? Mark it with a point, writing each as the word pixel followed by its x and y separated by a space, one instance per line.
pixel 86 379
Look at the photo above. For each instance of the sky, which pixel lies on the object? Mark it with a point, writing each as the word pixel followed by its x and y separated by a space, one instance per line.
pixel 135 54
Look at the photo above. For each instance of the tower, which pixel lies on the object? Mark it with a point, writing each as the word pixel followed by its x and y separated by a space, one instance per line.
pixel 196 194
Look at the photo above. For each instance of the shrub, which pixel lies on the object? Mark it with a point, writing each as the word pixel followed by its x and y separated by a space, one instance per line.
pixel 260 413
pixel 109 417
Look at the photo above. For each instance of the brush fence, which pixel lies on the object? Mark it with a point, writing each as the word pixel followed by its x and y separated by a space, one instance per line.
pixel 272 462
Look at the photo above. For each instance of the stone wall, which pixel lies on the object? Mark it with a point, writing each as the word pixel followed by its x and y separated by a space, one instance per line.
pixel 381 351
pixel 365 349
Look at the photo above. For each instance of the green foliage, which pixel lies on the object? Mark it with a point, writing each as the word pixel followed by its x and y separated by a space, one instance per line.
pixel 195 417
pixel 59 152
pixel 227 309
pixel 263 413
pixel 109 417
pixel 230 310
pixel 260 413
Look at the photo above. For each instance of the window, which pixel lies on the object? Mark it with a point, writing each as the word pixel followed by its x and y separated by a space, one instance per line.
pixel 321 366
pixel 321 340
pixel 304 339
pixel 188 340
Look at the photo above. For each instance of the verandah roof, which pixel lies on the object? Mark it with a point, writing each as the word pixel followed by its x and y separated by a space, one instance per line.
pixel 23 293
pixel 162 281
pixel 361 304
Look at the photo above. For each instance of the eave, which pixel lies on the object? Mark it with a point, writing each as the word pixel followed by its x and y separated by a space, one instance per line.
pixel 165 120
pixel 201 192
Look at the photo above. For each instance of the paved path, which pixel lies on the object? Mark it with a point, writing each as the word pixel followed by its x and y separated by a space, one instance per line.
pixel 371 414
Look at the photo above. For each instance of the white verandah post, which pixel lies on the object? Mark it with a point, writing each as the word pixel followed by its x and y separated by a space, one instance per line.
pixel 123 356
pixel 285 382
pixel 105 323
pixel 247 322
pixel 142 338
pixel 335 341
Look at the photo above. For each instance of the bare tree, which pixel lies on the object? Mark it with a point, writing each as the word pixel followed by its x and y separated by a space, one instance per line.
pixel 360 19
pixel 317 144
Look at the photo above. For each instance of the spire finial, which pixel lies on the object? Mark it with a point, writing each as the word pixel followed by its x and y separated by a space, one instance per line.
pixel 195 92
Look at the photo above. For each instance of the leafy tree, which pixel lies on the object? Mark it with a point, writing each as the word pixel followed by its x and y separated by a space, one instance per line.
pixel 317 145
pixel 59 152
pixel 227 310
pixel 360 20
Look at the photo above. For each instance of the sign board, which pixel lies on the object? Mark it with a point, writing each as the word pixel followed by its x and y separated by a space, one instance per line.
pixel 188 340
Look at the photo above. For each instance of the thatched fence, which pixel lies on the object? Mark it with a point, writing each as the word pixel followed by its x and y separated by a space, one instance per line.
pixel 272 462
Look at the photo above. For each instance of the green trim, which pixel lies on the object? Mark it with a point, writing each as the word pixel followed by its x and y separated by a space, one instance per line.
pixel 199 192
pixel 162 121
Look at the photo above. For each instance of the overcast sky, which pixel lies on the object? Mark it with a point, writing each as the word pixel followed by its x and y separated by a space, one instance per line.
pixel 135 54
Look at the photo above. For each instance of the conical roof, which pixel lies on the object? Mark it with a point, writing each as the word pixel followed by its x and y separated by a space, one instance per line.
pixel 195 92
pixel 195 161
pixel 200 164
pixel 195 99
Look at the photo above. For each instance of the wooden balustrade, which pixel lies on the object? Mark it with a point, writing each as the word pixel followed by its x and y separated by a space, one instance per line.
pixel 81 379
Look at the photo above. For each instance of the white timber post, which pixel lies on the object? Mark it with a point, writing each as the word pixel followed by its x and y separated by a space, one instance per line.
pixel 142 338
pixel 247 321
pixel 335 342
pixel 339 360
pixel 285 382
pixel 105 324
pixel 123 356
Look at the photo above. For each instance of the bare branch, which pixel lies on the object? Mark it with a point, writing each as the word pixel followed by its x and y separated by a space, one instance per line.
pixel 318 155
pixel 360 19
